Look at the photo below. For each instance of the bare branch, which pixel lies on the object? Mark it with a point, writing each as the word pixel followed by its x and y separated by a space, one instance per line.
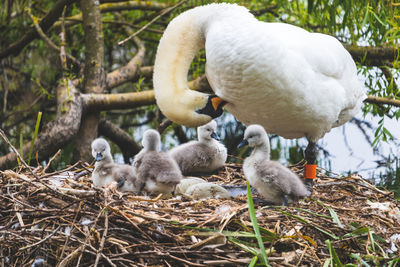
pixel 47 40
pixel 32 34
pixel 109 7
pixel 372 56
pixel 129 71
pixel 165 11
pixel 118 101
pixel 132 100
pixel 122 139
pixel 382 100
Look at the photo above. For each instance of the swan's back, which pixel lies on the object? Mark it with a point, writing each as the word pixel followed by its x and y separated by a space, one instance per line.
pixel 292 82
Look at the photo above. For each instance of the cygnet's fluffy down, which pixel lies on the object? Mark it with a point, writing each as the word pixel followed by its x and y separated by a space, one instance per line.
pixel 186 183
pixel 203 156
pixel 206 191
pixel 156 170
pixel 272 180
pixel 106 171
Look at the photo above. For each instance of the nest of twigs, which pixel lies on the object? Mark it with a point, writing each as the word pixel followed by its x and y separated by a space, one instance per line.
pixel 59 219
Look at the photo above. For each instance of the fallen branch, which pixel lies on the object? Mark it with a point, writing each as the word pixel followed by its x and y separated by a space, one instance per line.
pixel 43 240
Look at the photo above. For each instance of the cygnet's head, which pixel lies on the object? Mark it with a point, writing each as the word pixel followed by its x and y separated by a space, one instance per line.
pixel 100 149
pixel 207 131
pixel 254 136
pixel 151 140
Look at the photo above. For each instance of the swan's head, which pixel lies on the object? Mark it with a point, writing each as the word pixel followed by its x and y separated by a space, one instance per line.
pixel 188 107
pixel 151 140
pixel 100 149
pixel 207 132
pixel 255 136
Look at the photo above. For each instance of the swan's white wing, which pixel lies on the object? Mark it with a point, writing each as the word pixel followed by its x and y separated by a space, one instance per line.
pixel 292 82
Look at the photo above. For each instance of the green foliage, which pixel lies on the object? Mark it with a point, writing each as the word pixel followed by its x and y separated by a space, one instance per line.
pixel 390 180
pixel 38 120
pixel 262 254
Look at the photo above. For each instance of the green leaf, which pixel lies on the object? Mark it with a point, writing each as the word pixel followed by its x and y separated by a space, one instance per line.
pixel 371 239
pixel 38 119
pixel 357 257
pixel 335 217
pixel 243 245
pixel 358 232
pixel 333 253
pixel 253 261
pixel 299 218
pixel 253 218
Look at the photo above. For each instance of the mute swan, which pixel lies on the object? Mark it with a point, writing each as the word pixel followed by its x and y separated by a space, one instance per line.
pixel 106 171
pixel 292 82
pixel 204 155
pixel 271 179
pixel 156 170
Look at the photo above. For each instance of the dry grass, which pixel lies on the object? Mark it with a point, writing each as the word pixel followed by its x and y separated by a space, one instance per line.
pixel 72 224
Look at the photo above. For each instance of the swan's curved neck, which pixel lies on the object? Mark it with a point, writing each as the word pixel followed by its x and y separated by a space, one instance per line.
pixel 182 39
pixel 180 42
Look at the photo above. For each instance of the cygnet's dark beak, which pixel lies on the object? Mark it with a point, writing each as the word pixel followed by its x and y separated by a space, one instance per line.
pixel 121 183
pixel 215 136
pixel 99 157
pixel 243 143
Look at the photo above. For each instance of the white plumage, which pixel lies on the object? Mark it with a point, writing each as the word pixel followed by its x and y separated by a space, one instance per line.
pixel 292 82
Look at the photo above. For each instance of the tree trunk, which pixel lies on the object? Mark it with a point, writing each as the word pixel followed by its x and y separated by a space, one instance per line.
pixel 95 80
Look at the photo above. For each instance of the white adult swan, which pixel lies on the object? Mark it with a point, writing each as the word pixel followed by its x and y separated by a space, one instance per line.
pixel 292 82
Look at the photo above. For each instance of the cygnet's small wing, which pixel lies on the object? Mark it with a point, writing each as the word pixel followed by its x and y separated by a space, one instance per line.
pixel 207 190
pixel 157 166
pixel 104 169
pixel 193 157
pixel 185 183
pixel 286 180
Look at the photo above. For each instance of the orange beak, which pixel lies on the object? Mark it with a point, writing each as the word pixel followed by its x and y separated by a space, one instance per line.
pixel 216 102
